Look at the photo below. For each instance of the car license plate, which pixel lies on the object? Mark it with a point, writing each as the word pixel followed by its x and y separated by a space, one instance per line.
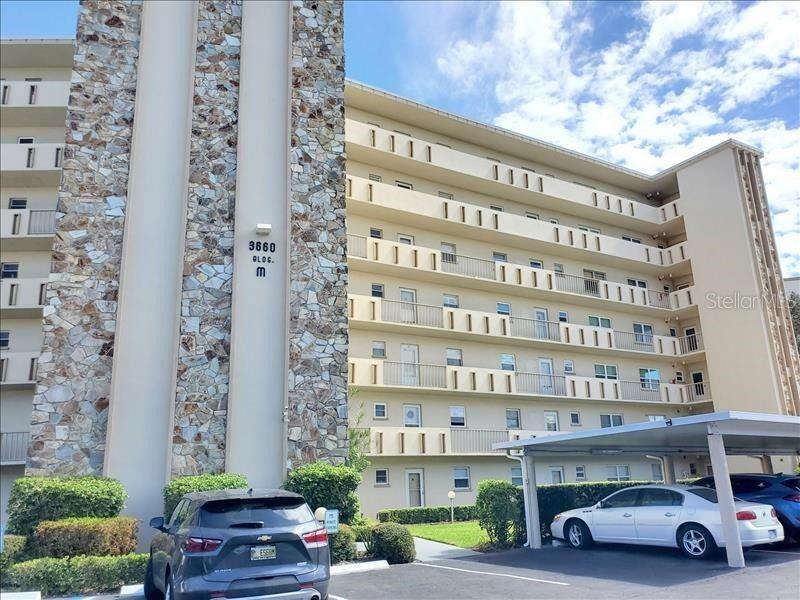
pixel 773 533
pixel 262 552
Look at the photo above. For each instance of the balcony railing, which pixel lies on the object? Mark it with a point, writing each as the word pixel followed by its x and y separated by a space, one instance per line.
pixel 357 245
pixel 659 299
pixel 649 391
pixel 697 392
pixel 535 329
pixel 640 342
pixel 411 313
pixel 468 266
pixel 42 222
pixel 541 384
pixel 476 441
pixel 577 285
pixel 691 343
pixel 414 374
pixel 13 447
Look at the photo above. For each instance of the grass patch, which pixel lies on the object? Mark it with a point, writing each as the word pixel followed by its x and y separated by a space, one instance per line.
pixel 465 534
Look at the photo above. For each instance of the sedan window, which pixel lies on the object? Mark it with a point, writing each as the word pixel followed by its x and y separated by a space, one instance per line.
pixel 705 494
pixel 621 499
pixel 659 497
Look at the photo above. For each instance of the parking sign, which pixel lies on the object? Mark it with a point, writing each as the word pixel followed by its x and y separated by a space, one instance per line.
pixel 332 520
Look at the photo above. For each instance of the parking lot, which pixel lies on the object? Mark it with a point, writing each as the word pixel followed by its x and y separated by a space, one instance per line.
pixel 560 572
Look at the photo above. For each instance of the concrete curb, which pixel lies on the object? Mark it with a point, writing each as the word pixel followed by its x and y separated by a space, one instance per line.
pixel 22 595
pixel 372 565
pixel 132 590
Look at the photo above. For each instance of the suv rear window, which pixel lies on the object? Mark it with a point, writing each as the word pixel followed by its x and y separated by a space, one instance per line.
pixel 793 483
pixel 254 513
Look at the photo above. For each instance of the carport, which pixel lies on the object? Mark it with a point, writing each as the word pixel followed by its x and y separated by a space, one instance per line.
pixel 716 434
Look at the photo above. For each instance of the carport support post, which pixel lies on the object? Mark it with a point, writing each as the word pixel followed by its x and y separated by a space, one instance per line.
pixel 533 527
pixel 727 509
pixel 669 469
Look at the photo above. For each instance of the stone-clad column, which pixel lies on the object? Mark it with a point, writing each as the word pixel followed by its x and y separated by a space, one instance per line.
pixel 201 399
pixel 70 408
pixel 317 385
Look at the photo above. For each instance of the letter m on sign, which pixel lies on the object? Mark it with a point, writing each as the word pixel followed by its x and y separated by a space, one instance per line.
pixel 261 272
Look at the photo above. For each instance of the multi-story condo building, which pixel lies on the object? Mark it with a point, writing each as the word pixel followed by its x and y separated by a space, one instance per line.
pixel 206 305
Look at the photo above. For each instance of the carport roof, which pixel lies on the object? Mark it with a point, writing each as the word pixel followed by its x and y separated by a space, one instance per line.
pixel 744 433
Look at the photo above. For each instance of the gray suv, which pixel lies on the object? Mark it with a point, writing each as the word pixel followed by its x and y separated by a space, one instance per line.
pixel 239 544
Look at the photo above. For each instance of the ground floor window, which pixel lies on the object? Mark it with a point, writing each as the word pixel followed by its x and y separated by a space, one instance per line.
pixel 656 471
pixel 381 476
pixel 516 475
pixel 461 478
pixel 618 472
pixel 580 472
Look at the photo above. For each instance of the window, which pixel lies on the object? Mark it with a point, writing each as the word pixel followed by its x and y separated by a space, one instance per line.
pixel 499 257
pixel 458 416
pixel 405 185
pixel 634 240
pixel 650 379
pixel 536 263
pixel 503 308
pixel 376 233
pixel 378 349
pixel 445 195
pixel 605 371
pixel 448 252
pixel 575 419
pixel 496 207
pixel 380 410
pixel 551 420
pixel 33 79
pixel 644 333
pixel 580 472
pixel 450 300
pixel 17 203
pixel 411 415
pixel 373 177
pixel 610 421
pixel 590 274
pixel 588 229
pixel 9 271
pixel 659 497
pixel 604 322
pixel 623 499
pixel 5 339
pixel 507 362
pixel 673 332
pixel 563 316
pixel 454 357
pixel 569 367
pixel 405 239
pixel 516 476
pixel 512 418
pixel 381 476
pixel 554 221
pixel 377 290
pixel 678 376
pixel 653 418
pixel 558 267
pixel 641 283
pixel 656 471
pixel 692 469
pixel 531 215
pixel 26 140
pixel 618 473
pixel 461 478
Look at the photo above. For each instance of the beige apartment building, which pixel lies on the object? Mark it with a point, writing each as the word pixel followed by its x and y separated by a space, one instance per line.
pixel 488 286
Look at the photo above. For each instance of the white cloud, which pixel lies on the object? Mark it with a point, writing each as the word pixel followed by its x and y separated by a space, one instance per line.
pixel 687 76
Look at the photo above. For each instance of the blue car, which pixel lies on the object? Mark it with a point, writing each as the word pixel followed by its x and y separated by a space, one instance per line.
pixel 781 491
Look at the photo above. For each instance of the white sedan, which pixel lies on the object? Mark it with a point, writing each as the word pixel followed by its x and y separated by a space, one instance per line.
pixel 680 516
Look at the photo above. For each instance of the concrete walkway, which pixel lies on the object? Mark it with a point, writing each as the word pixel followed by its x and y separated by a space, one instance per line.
pixel 428 550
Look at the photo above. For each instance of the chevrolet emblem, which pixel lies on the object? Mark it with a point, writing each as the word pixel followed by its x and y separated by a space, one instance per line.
pixel 264 538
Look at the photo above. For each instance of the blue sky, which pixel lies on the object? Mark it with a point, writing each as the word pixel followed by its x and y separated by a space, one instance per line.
pixel 644 85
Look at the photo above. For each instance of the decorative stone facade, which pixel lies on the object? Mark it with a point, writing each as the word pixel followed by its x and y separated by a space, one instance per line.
pixel 70 408
pixel 317 366
pixel 198 443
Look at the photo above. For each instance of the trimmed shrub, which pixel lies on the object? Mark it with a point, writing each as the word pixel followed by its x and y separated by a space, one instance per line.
pixel 363 534
pixel 427 514
pixel 37 499
pixel 91 536
pixel 500 507
pixel 177 488
pixel 343 545
pixel 323 484
pixel 393 542
pixel 77 575
pixel 14 551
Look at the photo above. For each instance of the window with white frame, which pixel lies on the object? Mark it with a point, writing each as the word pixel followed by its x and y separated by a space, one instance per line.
pixel 678 376
pixel 450 300
pixel 454 357
pixel 503 308
pixel 412 415
pixel 558 267
pixel 381 476
pixel 610 420
pixel 458 416
pixel 569 367
pixel 507 362
pixel 641 283
pixel 9 270
pixel 596 321
pixel 652 418
pixel 516 476
pixel 378 349
pixel 406 239
pixel 656 471
pixel 563 316
pixel 5 339
pixel 17 203
pixel 589 229
pixel 26 139
pixel 448 251
pixel 513 418
pixel 605 371
pixel 461 478
pixel 376 233
pixel 591 274
pixel 373 177
pixel 536 263
pixel 499 257
pixel 556 474
pixel 445 195
pixel 554 221
pixel 496 207
pixel 551 420
pixel 531 215
pixel 650 379
pixel 575 419
pixel 404 184
pixel 377 290
pixel 580 472
pixel 380 410
pixel 628 238
pixel 618 473
pixel 643 333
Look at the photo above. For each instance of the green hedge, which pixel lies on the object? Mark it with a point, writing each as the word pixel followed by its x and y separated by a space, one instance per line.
pixel 343 545
pixel 14 551
pixel 427 514
pixel 177 488
pixel 77 575
pixel 500 506
pixel 37 499
pixel 323 484
pixel 393 542
pixel 90 536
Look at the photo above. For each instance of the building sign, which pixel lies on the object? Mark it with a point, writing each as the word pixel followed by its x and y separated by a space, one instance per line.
pixel 263 255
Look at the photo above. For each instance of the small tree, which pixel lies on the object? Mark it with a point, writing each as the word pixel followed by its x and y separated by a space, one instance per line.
pixel 359 439
pixel 499 510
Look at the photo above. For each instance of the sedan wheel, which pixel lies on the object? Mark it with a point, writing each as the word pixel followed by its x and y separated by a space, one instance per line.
pixel 578 534
pixel 695 541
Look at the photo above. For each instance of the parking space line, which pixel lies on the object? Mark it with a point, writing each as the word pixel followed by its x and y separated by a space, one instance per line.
pixel 332 597
pixel 774 551
pixel 420 564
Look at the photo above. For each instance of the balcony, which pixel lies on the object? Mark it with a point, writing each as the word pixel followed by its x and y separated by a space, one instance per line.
pixel 23 298
pixel 28 103
pixel 13 448
pixel 397 151
pixel 30 164
pixel 396 376
pixel 394 258
pixel 18 369
pixel 438 321
pixel 23 229
pixel 392 203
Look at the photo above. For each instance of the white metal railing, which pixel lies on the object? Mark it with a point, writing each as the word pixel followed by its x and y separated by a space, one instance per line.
pixel 691 343
pixel 577 285
pixel 535 329
pixel 627 340
pixel 468 266
pixel 659 299
pixel 475 441
pixel 541 384
pixel 411 313
pixel 42 222
pixel 13 447
pixel 414 374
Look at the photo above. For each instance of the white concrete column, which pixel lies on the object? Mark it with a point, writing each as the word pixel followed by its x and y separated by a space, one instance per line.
pixel 766 464
pixel 533 526
pixel 668 464
pixel 256 438
pixel 143 377
pixel 727 509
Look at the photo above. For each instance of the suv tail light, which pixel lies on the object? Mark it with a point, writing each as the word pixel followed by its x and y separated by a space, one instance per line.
pixel 194 544
pixel 745 515
pixel 792 498
pixel 316 539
